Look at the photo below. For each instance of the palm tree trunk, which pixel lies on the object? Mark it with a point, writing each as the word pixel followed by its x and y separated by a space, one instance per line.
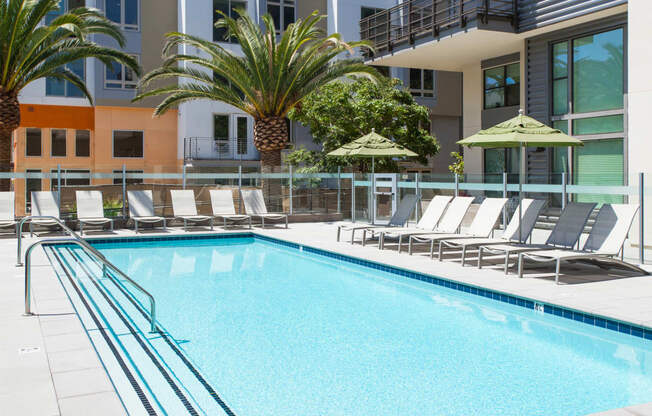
pixel 9 121
pixel 270 137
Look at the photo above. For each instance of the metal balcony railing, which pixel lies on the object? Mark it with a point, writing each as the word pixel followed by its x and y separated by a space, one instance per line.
pixel 413 19
pixel 211 148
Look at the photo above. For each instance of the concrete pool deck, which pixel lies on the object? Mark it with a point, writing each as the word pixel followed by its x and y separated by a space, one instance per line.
pixel 49 367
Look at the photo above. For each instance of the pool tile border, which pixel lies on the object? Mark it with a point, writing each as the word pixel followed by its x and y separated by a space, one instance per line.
pixel 563 312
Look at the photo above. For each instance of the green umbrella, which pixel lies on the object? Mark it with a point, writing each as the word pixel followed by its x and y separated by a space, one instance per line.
pixel 521 131
pixel 372 145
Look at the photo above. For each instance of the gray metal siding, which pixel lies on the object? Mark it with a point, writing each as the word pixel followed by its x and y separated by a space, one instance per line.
pixel 533 14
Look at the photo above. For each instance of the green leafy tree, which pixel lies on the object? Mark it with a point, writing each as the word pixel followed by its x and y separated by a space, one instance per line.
pixel 271 76
pixel 343 111
pixel 30 50
pixel 458 163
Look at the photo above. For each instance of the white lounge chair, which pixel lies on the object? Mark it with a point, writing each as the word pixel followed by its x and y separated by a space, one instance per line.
pixel 185 208
pixel 255 206
pixel 7 211
pixel 427 223
pixel 141 208
pixel 399 218
pixel 605 242
pixel 482 226
pixel 90 209
pixel 44 203
pixel 565 234
pixel 223 207
pixel 531 209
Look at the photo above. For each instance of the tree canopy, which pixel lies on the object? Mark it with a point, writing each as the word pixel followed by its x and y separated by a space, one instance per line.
pixel 345 110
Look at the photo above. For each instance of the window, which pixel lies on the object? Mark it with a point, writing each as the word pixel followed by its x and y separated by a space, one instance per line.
pixel 282 12
pixel 31 185
pixel 228 7
pixel 369 11
pixel 128 143
pixel 71 5
pixel 123 12
pixel 128 181
pixel 422 82
pixel 62 88
pixel 587 85
pixel 502 86
pixel 242 134
pixel 119 76
pixel 58 143
pixel 71 177
pixel 33 142
pixel 82 143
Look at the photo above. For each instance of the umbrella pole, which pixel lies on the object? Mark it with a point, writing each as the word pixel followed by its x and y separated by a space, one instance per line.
pixel 520 193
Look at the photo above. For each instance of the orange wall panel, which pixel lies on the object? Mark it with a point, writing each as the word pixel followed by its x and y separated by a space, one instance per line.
pixel 57 116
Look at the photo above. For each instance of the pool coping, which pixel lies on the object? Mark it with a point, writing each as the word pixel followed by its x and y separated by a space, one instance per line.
pixel 546 307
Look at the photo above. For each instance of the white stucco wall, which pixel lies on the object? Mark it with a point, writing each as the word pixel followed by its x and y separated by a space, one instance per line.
pixel 639 102
pixel 196 118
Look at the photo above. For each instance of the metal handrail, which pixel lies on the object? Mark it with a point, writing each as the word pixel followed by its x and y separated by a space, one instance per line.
pixel 105 263
pixel 61 224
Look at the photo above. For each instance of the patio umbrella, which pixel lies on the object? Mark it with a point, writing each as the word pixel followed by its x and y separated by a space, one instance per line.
pixel 372 145
pixel 521 131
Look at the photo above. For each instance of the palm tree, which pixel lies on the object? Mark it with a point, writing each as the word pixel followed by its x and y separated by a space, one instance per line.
pixel 30 51
pixel 270 79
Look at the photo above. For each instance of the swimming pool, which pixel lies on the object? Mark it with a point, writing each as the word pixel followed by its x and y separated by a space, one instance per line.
pixel 278 330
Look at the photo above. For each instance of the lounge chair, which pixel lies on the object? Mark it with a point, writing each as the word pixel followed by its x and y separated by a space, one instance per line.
pixel 565 234
pixel 7 213
pixel 141 208
pixel 90 209
pixel 223 207
pixel 398 219
pixel 482 226
pixel 531 209
pixel 44 203
pixel 431 216
pixel 185 208
pixel 605 242
pixel 255 206
pixel 427 223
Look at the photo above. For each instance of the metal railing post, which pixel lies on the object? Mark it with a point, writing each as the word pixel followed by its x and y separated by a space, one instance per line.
pixel 59 186
pixel 291 180
pixel 124 191
pixel 457 185
pixel 417 192
pixel 339 190
pixel 240 188
pixel 641 218
pixel 352 196
pixel 505 196
pixel 183 177
pixel 564 194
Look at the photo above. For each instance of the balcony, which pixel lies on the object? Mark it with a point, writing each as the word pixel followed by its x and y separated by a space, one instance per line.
pixel 210 148
pixel 415 22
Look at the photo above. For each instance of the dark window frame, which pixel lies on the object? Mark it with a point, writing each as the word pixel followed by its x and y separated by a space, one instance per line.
pixel 422 91
pixel 142 132
pixel 127 26
pixel 282 5
pixel 40 153
pixel 485 89
pixel 77 143
pixel 239 4
pixel 65 143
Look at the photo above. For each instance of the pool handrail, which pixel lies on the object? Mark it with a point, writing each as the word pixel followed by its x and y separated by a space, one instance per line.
pixel 68 230
pixel 105 263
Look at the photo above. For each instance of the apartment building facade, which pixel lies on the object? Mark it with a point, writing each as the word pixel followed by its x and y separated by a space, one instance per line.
pixel 61 130
pixel 576 65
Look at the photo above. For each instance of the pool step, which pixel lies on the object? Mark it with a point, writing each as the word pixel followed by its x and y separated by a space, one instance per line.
pixel 163 379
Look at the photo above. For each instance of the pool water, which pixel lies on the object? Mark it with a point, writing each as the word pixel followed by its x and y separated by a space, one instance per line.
pixel 279 331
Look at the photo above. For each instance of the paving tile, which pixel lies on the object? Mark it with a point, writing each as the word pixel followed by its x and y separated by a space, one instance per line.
pixel 60 324
pixel 641 409
pixel 73 360
pixel 99 404
pixel 81 382
pixel 67 342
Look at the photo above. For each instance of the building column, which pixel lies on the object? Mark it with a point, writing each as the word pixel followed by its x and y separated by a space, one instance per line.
pixel 472 114
pixel 639 106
